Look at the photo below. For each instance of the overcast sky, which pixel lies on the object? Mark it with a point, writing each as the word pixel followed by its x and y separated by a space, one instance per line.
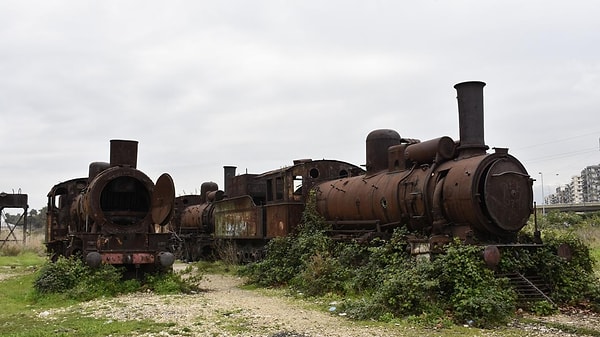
pixel 257 84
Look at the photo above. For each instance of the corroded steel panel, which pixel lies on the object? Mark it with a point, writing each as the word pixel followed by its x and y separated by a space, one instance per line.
pixel 163 198
pixel 13 200
pixel 237 218
pixel 507 194
pixel 282 218
pixel 125 258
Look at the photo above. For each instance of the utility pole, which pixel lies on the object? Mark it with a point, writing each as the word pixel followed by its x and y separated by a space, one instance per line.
pixel 543 198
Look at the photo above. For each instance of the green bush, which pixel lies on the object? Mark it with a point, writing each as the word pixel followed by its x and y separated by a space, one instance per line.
pixel 289 256
pixel 61 276
pixel 73 279
pixel 571 281
pixel 185 282
pixel 382 281
pixel 322 274
pixel 277 268
pixel 456 283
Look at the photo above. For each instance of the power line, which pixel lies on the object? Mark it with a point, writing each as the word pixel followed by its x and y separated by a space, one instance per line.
pixel 558 140
pixel 561 155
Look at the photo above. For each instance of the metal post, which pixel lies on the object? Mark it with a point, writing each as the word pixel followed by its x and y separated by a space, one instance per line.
pixel 543 198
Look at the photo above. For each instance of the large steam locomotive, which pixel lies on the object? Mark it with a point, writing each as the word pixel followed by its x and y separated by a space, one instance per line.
pixel 114 215
pixel 439 188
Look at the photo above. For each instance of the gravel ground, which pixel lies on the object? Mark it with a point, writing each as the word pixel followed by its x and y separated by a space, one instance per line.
pixel 226 310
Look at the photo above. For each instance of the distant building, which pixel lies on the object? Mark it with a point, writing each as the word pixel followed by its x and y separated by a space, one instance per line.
pixel 563 195
pixel 576 190
pixel 582 188
pixel 590 183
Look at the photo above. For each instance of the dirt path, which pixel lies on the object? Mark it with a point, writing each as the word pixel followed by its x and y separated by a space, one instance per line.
pixel 226 310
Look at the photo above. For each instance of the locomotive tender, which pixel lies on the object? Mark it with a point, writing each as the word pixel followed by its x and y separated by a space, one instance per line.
pixel 439 188
pixel 114 215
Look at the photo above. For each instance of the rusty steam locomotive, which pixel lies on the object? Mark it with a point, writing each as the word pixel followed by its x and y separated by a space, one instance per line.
pixel 440 188
pixel 114 215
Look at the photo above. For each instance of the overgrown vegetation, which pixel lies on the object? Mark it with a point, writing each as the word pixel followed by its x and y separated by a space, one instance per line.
pixel 23 305
pixel 381 281
pixel 73 279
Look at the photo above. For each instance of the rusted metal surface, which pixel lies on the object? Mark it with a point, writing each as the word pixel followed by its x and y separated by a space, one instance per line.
pixel 441 188
pixel 125 258
pixel 430 151
pixel 490 193
pixel 378 142
pixel 110 216
pixel 118 199
pixel 282 218
pixel 123 153
pixel 253 208
pixel 163 198
pixel 491 255
pixel 431 188
pixel 237 218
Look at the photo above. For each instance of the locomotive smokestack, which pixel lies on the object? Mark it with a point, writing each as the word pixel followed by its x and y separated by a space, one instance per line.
pixel 229 173
pixel 123 153
pixel 470 118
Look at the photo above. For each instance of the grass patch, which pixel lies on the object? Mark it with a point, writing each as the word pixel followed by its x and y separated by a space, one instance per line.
pixel 27 312
pixel 22 259
pixel 216 267
pixel 34 244
pixel 30 324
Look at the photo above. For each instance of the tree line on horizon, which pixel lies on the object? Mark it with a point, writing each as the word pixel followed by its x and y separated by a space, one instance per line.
pixel 35 219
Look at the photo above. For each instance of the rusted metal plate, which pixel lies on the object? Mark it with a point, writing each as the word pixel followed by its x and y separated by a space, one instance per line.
pixel 282 218
pixel 163 198
pixel 127 258
pixel 507 194
pixel 237 218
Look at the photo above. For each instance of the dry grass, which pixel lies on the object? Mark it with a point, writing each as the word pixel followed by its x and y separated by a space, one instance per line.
pixel 34 242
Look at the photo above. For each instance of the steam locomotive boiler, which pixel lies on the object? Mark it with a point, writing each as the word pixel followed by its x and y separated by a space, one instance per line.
pixel 440 188
pixel 114 215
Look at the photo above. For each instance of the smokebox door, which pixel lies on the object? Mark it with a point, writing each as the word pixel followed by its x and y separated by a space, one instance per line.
pixel 507 195
pixel 163 199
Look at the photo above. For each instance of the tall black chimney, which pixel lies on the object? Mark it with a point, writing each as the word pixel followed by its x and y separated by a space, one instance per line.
pixel 470 118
